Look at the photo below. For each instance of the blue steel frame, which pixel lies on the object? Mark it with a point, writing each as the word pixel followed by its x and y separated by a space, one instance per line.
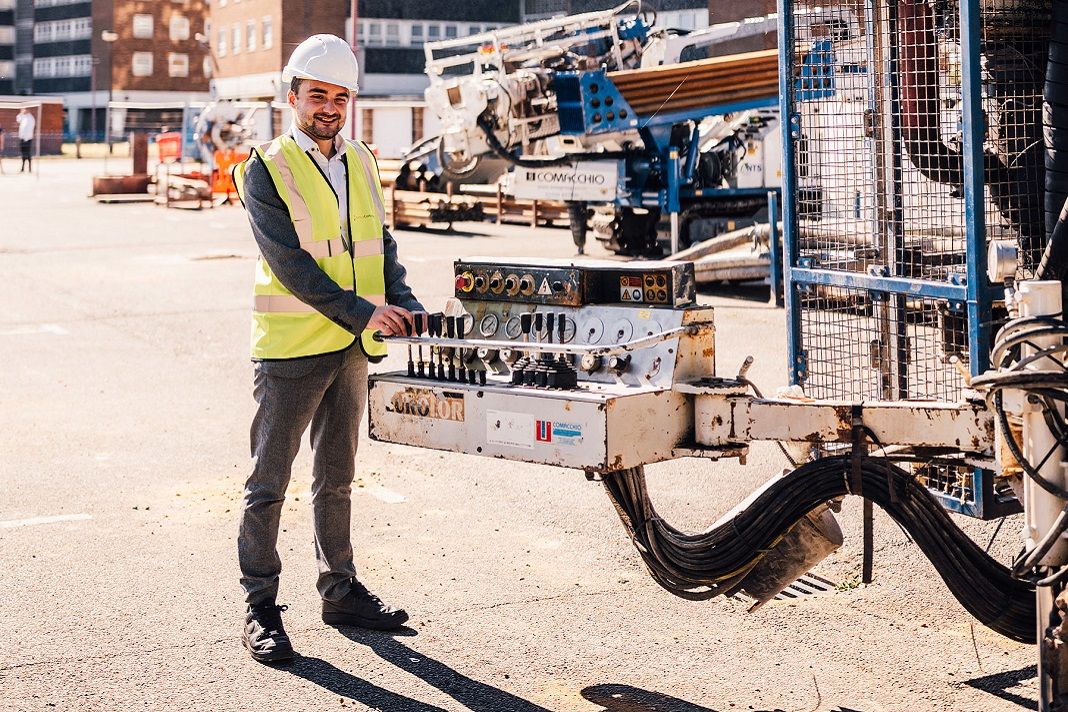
pixel 975 295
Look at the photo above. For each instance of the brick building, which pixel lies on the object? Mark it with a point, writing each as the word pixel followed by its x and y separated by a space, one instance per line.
pixel 390 35
pixel 7 46
pixel 49 127
pixel 155 57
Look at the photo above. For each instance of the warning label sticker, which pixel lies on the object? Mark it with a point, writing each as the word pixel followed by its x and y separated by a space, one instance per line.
pixel 630 289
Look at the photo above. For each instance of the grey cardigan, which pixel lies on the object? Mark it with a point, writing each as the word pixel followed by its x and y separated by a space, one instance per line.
pixel 297 269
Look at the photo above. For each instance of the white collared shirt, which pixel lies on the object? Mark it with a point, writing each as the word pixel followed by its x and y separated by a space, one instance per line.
pixel 333 168
pixel 26 124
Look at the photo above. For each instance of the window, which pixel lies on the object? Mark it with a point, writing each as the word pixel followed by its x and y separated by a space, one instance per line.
pixel 417 34
pixel 142 64
pixel 392 34
pixel 250 35
pixel 267 28
pixel 82 65
pixel 179 28
pixel 7 34
pixel 220 50
pixel 235 46
pixel 178 64
pixel 207 66
pixel 374 33
pixel 433 32
pixel 450 31
pixel 142 27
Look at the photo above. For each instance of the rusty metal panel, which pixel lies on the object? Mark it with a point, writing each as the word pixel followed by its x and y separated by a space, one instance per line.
pixel 723 419
pixel 567 429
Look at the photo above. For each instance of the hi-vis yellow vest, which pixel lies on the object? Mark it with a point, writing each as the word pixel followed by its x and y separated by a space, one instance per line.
pixel 282 325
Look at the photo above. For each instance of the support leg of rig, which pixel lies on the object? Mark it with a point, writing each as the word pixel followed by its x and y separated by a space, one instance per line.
pixel 869 541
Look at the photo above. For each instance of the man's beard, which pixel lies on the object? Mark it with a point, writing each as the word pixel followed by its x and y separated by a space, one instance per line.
pixel 326 134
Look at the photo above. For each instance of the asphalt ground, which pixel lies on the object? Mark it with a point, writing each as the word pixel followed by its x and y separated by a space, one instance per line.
pixel 125 404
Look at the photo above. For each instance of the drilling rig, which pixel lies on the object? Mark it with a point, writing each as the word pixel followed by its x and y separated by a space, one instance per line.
pixel 925 227
pixel 633 126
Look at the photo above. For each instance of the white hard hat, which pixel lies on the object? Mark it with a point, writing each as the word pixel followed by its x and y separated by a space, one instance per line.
pixel 325 58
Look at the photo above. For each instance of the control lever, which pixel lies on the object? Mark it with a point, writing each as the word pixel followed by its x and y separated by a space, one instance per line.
pixel 441 352
pixel 526 323
pixel 419 326
pixel 461 331
pixel 450 331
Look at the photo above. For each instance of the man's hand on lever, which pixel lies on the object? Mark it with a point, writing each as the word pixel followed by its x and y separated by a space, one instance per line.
pixel 391 320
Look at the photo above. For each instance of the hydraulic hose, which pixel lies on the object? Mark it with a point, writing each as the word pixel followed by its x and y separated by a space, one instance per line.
pixel 1054 263
pixel 704 565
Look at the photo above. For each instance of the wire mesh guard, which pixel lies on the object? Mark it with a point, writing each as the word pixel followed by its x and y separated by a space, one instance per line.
pixel 880 184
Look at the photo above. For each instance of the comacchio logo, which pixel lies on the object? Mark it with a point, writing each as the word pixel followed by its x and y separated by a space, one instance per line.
pixel 564 177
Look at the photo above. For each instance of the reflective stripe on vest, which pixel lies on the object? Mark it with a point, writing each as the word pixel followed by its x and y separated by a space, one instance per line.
pixel 283 326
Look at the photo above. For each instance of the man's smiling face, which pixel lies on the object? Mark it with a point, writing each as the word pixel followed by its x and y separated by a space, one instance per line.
pixel 320 108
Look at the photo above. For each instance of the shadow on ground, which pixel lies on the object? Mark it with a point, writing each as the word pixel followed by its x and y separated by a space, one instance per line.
pixel 998 685
pixel 624 698
pixel 472 694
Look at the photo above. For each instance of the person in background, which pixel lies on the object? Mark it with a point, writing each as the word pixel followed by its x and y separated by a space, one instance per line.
pixel 27 127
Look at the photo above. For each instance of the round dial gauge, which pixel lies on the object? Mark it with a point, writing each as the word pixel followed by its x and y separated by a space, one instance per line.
pixel 489 324
pixel 592 331
pixel 620 332
pixel 513 329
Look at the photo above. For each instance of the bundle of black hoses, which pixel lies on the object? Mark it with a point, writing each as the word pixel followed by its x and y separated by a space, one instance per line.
pixel 708 564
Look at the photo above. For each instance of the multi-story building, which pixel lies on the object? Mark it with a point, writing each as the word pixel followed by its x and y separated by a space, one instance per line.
pixel 7 46
pixel 251 41
pixel 93 51
pixel 680 14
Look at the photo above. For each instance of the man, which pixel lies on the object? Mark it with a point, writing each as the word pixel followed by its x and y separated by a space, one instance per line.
pixel 327 278
pixel 27 125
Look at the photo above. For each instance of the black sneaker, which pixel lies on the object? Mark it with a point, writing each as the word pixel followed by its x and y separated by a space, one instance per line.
pixel 264 636
pixel 363 609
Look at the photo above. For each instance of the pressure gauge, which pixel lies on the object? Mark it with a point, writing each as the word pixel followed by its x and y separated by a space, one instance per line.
pixel 592 330
pixel 513 329
pixel 489 325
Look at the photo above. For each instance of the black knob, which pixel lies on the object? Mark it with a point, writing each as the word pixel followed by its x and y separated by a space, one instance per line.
pixel 450 326
pixel 461 326
pixel 619 362
pixel 539 321
pixel 561 325
pixel 419 325
pixel 495 283
pixel 525 321
pixel 480 282
pixel 481 378
pixel 511 283
pixel 550 322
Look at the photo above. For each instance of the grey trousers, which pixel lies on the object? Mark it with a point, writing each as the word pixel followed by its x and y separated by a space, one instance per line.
pixel 329 393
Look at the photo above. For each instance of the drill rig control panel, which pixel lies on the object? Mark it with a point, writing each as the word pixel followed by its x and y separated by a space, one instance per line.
pixel 571 363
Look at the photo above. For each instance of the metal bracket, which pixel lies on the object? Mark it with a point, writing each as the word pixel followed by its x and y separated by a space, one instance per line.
pixel 878 271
